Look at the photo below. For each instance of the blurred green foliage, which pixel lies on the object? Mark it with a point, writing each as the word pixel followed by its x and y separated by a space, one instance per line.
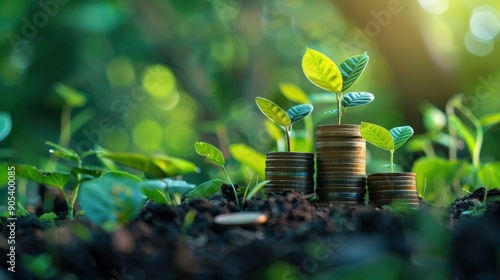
pixel 156 76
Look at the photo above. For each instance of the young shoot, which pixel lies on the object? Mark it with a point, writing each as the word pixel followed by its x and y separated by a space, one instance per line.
pixel 325 74
pixel 389 140
pixel 215 156
pixel 281 117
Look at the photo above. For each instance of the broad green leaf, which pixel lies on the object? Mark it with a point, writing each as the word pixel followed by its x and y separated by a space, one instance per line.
pixel 274 131
pixel 5 125
pixel 377 135
pixel 352 68
pixel 294 93
pixel 92 171
pixel 47 217
pixel 273 112
pixel 205 189
pixel 169 185
pixel 464 132
pixel 321 71
pixel 322 97
pixel 211 152
pixel 489 174
pixel 73 97
pixel 298 112
pixel 353 99
pixel 112 200
pixel 53 179
pixel 173 166
pixel 62 152
pixel 247 156
pixel 435 177
pixel 400 135
pixel 154 190
pixel 136 161
pixel 488 120
pixel 433 118
pixel 256 189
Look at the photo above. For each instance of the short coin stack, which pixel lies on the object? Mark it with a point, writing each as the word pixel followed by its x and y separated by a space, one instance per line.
pixel 341 165
pixel 393 188
pixel 289 171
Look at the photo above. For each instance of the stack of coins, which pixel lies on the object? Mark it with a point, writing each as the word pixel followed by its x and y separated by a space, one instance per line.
pixel 393 188
pixel 341 165
pixel 289 171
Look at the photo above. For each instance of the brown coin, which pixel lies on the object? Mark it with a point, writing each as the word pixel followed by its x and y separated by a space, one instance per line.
pixel 392 188
pixel 342 189
pixel 289 173
pixel 392 175
pixel 341 195
pixel 292 155
pixel 396 201
pixel 391 196
pixel 290 168
pixel 341 144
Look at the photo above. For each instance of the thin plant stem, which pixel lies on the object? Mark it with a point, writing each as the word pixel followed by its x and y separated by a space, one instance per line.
pixel 287 139
pixel 232 185
pixel 339 114
pixel 75 192
pixel 392 161
pixel 70 212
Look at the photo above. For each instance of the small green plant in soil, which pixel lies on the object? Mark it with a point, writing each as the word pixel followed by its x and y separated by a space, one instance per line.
pixel 325 74
pixel 281 117
pixel 389 140
pixel 215 156
pixel 213 186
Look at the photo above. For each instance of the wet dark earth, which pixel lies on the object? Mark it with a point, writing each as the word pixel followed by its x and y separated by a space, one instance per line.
pixel 300 240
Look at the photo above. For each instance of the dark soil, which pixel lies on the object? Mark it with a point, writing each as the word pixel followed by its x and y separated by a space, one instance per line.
pixel 301 240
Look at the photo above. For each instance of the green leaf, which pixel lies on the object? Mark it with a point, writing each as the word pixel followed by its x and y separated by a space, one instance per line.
pixel 247 156
pixel 5 125
pixel 205 190
pixel 173 166
pixel 53 179
pixel 72 97
pixel 294 93
pixel 154 190
pixel 47 217
pixel 435 177
pixel 112 200
pixel 400 135
pixel 92 171
pixel 433 118
pixel 170 186
pixel 298 112
pixel 489 174
pixel 377 136
pixel 353 99
pixel 486 121
pixel 210 152
pixel 321 71
pixel 136 161
pixel 464 132
pixel 256 189
pixel 62 152
pixel 273 112
pixel 352 68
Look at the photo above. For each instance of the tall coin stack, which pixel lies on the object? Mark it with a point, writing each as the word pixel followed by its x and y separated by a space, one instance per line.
pixel 341 165
pixel 289 171
pixel 393 188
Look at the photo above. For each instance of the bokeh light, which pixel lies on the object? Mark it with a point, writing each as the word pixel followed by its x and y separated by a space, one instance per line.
pixel 485 23
pixel 159 81
pixel 120 72
pixel 147 135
